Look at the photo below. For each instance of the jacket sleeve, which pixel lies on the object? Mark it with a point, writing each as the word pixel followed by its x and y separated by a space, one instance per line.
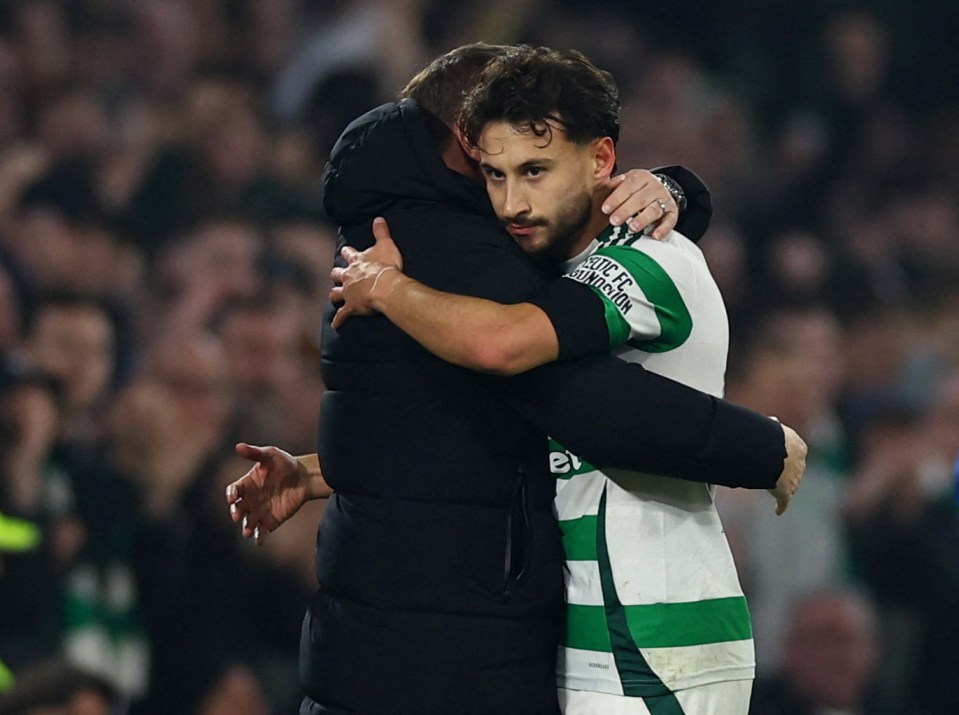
pixel 617 414
pixel 578 316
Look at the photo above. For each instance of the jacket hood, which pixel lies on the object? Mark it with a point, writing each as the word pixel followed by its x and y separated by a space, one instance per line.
pixel 387 156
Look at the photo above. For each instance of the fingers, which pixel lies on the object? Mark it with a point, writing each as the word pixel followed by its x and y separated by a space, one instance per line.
pixel 782 499
pixel 385 250
pixel 639 200
pixel 253 453
pixel 256 521
pixel 258 524
pixel 342 314
pixel 349 254
pixel 665 224
pixel 381 230
pixel 235 496
pixel 657 214
pixel 338 274
pixel 252 529
pixel 233 492
pixel 618 204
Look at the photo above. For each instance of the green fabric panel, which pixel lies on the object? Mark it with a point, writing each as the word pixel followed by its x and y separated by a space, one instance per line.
pixel 675 323
pixel 663 705
pixel 579 538
pixel 586 628
pixel 673 625
pixel 615 322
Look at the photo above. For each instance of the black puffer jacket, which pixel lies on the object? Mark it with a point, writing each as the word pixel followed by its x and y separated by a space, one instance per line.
pixel 440 562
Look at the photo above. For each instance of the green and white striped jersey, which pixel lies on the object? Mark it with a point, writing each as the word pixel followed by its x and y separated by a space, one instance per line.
pixel 653 599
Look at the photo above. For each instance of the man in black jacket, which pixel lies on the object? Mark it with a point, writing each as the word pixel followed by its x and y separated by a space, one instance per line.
pixel 440 561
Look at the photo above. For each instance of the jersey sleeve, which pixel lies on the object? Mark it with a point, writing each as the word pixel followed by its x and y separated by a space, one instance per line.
pixel 637 284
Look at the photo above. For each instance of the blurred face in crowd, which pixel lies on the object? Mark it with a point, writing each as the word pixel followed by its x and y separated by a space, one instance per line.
pixel 543 187
pixel 859 49
pixel 11 104
pixel 74 124
pixel 182 398
pixel 75 344
pixel 83 702
pixel 798 263
pixel 193 370
pixel 831 650
pixel 167 44
pixel 941 430
pixel 219 257
pixel 43 38
pixel 796 367
pixel 262 349
pixel 44 244
pixel 270 366
pixel 9 313
pixel 237 692
pixel 235 148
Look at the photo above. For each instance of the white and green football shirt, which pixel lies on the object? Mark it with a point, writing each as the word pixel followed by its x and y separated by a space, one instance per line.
pixel 654 602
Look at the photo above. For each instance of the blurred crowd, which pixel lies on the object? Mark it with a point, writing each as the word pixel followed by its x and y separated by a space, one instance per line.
pixel 164 264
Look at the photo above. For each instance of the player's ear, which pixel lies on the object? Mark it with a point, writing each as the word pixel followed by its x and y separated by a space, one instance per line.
pixel 604 158
pixel 469 149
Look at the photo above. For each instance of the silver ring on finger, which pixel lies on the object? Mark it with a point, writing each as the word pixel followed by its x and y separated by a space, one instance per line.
pixel 663 207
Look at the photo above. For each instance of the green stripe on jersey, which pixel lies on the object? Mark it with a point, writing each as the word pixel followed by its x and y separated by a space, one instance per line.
pixel 579 538
pixel 675 323
pixel 664 625
pixel 615 322
pixel 635 676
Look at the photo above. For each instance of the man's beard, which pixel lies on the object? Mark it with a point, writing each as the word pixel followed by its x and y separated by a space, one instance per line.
pixel 562 234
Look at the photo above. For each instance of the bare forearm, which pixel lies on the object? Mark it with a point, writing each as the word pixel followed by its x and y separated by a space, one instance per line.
pixel 471 332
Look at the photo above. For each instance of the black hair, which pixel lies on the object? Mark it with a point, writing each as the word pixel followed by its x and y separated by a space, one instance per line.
pixel 533 88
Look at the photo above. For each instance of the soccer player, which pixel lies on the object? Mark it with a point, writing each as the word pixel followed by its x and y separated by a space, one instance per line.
pixel 656 619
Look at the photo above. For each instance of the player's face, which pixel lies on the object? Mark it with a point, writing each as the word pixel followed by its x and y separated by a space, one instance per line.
pixel 541 187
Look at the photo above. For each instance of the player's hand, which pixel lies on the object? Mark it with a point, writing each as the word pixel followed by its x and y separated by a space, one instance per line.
pixel 355 285
pixel 274 489
pixel 639 199
pixel 793 469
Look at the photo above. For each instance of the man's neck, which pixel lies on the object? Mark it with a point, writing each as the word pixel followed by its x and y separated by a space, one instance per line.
pixel 598 221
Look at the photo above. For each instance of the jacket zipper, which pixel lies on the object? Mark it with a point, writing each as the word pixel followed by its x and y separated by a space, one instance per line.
pixel 514 542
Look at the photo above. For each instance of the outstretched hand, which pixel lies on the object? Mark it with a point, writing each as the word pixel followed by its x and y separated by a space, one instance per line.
pixel 274 489
pixel 356 283
pixel 638 199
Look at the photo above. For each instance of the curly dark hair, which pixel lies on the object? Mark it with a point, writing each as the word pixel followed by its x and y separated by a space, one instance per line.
pixel 532 87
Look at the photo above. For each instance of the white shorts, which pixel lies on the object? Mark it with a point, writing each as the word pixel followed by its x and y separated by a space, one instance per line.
pixel 726 698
